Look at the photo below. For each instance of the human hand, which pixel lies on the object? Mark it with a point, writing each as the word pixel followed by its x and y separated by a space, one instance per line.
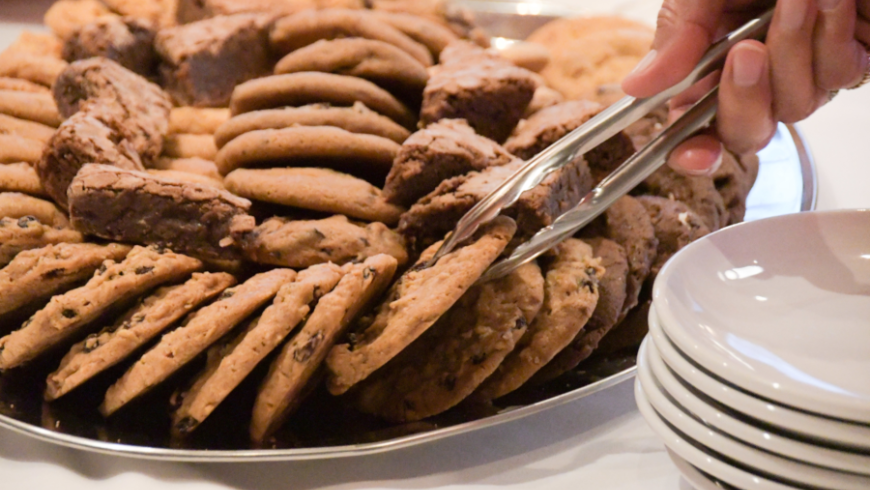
pixel 813 48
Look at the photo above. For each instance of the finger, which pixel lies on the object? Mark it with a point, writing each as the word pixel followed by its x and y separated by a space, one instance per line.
pixel 697 156
pixel 839 61
pixel 685 29
pixel 789 41
pixel 745 116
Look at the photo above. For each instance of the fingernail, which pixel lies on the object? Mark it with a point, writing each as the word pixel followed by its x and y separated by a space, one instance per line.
pixel 793 14
pixel 825 5
pixel 645 62
pixel 748 66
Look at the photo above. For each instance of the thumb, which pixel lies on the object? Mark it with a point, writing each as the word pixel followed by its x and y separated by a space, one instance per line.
pixel 684 31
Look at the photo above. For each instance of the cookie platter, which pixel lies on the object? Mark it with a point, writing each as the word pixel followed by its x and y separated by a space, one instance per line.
pixel 785 184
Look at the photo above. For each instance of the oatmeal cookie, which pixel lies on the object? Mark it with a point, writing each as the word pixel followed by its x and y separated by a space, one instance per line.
pixel 25 233
pixel 30 106
pixel 16 205
pixel 611 297
pixel 304 243
pixel 298 89
pixel 359 154
pixel 414 303
pixel 154 314
pixel 316 189
pixel 438 152
pixel 305 28
pixel 43 272
pixel 201 62
pixel 197 120
pixel 136 207
pixel 236 359
pixel 200 329
pixel 303 355
pixel 356 119
pixel 72 313
pixel 486 90
pixel 462 349
pixel 570 296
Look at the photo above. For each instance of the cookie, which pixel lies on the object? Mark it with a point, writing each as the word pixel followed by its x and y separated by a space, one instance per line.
pixel 531 56
pixel 438 152
pixel 297 89
pixel 675 227
pixel 699 193
pixel 733 180
pixel 437 213
pixel 136 207
pixel 627 223
pixel 296 365
pixel 356 119
pixel 414 303
pixel 648 127
pixel 149 10
pixel 611 297
pixel 189 177
pixel 304 243
pixel 570 297
pixel 316 189
pixel 25 233
pixel 547 126
pixel 80 140
pixel 16 205
pixel 19 85
pixel 591 55
pixel 14 149
pixel 433 35
pixel 20 177
pixel 200 329
pixel 381 63
pixel 136 109
pixel 72 313
pixel 25 129
pixel 201 62
pixel 197 120
pixel 629 333
pixel 64 17
pixel 40 44
pixel 39 273
pixel 462 349
pixel 302 29
pixel 30 106
pixel 488 91
pixel 146 320
pixel 230 363
pixel 323 146
pixel 205 168
pixel 43 70
pixel 190 146
pixel 129 41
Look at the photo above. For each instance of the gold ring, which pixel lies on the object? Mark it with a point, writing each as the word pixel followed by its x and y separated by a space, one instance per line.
pixel 866 77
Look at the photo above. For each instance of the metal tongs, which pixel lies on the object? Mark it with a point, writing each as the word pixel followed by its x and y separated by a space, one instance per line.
pixel 591 134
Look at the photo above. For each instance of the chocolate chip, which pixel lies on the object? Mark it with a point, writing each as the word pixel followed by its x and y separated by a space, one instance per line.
pixel 449 382
pixel 91 343
pixel 69 313
pixel 187 424
pixel 365 241
pixel 319 234
pixel 54 273
pixel 226 294
pixel 304 353
pixel 587 284
pixel 591 272
pixel 478 358
pixel 369 272
pixel 521 323
pixel 102 270
pixel 145 269
pixel 25 221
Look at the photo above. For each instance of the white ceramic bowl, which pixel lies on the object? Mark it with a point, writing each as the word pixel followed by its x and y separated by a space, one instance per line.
pixel 833 432
pixel 705 461
pixel 783 469
pixel 743 431
pixel 694 476
pixel 779 307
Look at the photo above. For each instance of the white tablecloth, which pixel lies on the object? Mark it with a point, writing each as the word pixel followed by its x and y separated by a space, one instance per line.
pixel 599 442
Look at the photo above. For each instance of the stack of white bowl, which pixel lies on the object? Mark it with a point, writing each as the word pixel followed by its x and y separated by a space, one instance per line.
pixel 756 372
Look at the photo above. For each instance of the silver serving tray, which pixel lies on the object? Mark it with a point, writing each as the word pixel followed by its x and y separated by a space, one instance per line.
pixel 324 428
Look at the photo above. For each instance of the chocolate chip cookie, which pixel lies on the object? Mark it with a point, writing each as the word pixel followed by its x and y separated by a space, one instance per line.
pixel 16 205
pixel 25 233
pixel 30 106
pixel 675 226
